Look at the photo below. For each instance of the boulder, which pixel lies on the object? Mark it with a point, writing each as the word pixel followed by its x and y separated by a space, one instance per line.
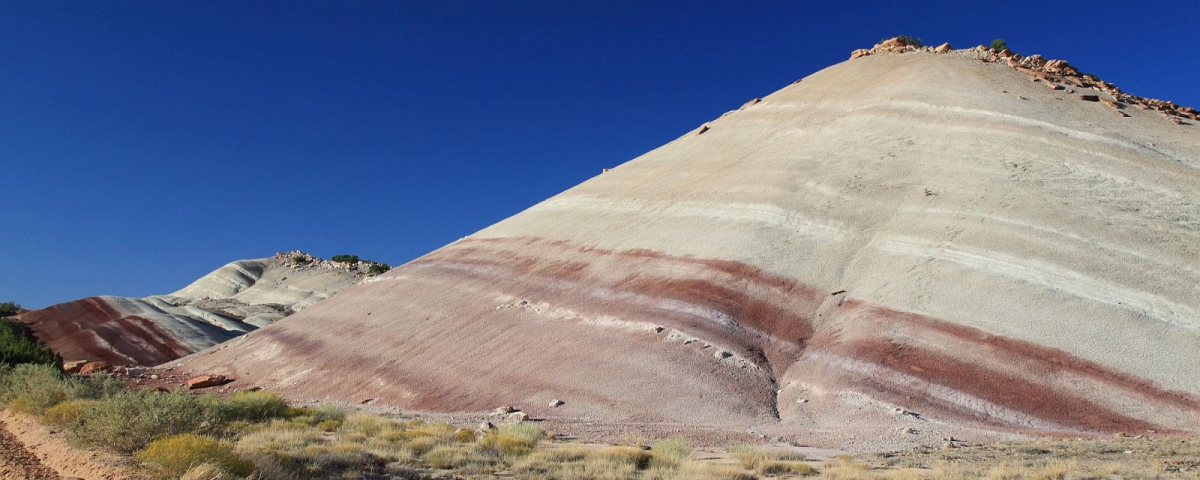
pixel 518 416
pixel 556 403
pixel 862 52
pixel 943 48
pixel 1060 67
pixel 505 410
pixel 484 429
pixel 205 381
pixel 1033 61
pixel 93 367
pixel 73 367
pixel 751 103
pixel 892 44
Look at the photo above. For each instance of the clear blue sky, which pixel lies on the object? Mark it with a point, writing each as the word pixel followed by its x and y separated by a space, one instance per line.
pixel 145 144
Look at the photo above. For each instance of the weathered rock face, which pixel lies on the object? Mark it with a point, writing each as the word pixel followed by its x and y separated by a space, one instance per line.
pixel 926 232
pixel 237 298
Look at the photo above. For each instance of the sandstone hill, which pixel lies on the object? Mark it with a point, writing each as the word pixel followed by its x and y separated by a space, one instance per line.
pixel 910 243
pixel 232 300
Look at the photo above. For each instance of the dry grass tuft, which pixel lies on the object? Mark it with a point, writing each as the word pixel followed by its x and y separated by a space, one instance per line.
pixel 174 456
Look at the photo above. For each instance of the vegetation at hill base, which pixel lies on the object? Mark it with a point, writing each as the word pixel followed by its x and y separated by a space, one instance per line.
pixel 256 435
pixel 18 345
pixel 999 44
pixel 8 309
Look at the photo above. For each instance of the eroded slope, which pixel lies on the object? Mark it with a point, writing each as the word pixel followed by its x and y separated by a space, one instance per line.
pixel 893 240
pixel 232 300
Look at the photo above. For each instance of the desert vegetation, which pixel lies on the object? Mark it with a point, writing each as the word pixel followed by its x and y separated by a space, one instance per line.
pixel 909 40
pixel 999 44
pixel 8 309
pixel 258 436
pixel 18 345
pixel 375 268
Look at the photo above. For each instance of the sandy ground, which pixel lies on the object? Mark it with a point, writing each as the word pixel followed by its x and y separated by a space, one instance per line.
pixel 30 450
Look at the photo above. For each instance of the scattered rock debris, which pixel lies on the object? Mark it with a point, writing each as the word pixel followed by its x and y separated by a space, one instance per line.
pixel 1052 72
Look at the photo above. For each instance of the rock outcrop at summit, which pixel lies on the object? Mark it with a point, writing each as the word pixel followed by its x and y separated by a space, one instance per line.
pixel 232 300
pixel 911 243
pixel 1056 74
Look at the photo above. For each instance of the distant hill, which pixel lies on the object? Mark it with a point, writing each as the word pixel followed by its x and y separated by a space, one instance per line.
pixel 232 300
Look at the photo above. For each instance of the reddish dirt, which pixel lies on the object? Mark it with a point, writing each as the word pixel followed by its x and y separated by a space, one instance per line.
pixel 1016 379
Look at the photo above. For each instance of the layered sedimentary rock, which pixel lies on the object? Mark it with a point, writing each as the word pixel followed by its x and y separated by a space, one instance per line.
pixel 232 300
pixel 921 235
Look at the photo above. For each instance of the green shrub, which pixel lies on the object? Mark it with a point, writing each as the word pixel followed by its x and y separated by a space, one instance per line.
pixel 781 468
pixel 916 42
pixel 463 435
pixel 174 456
pixel 327 412
pixel 446 457
pixel 251 407
pixel 423 445
pixel 506 445
pixel 751 457
pixel 33 388
pixel 345 258
pixel 378 268
pixel 328 425
pixel 129 420
pixel 366 424
pixel 66 413
pixel 672 449
pixel 8 309
pixel 999 44
pixel 633 456
pixel 18 345
pixel 525 431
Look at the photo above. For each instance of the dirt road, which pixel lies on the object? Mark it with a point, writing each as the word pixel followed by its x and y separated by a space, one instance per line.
pixel 17 463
